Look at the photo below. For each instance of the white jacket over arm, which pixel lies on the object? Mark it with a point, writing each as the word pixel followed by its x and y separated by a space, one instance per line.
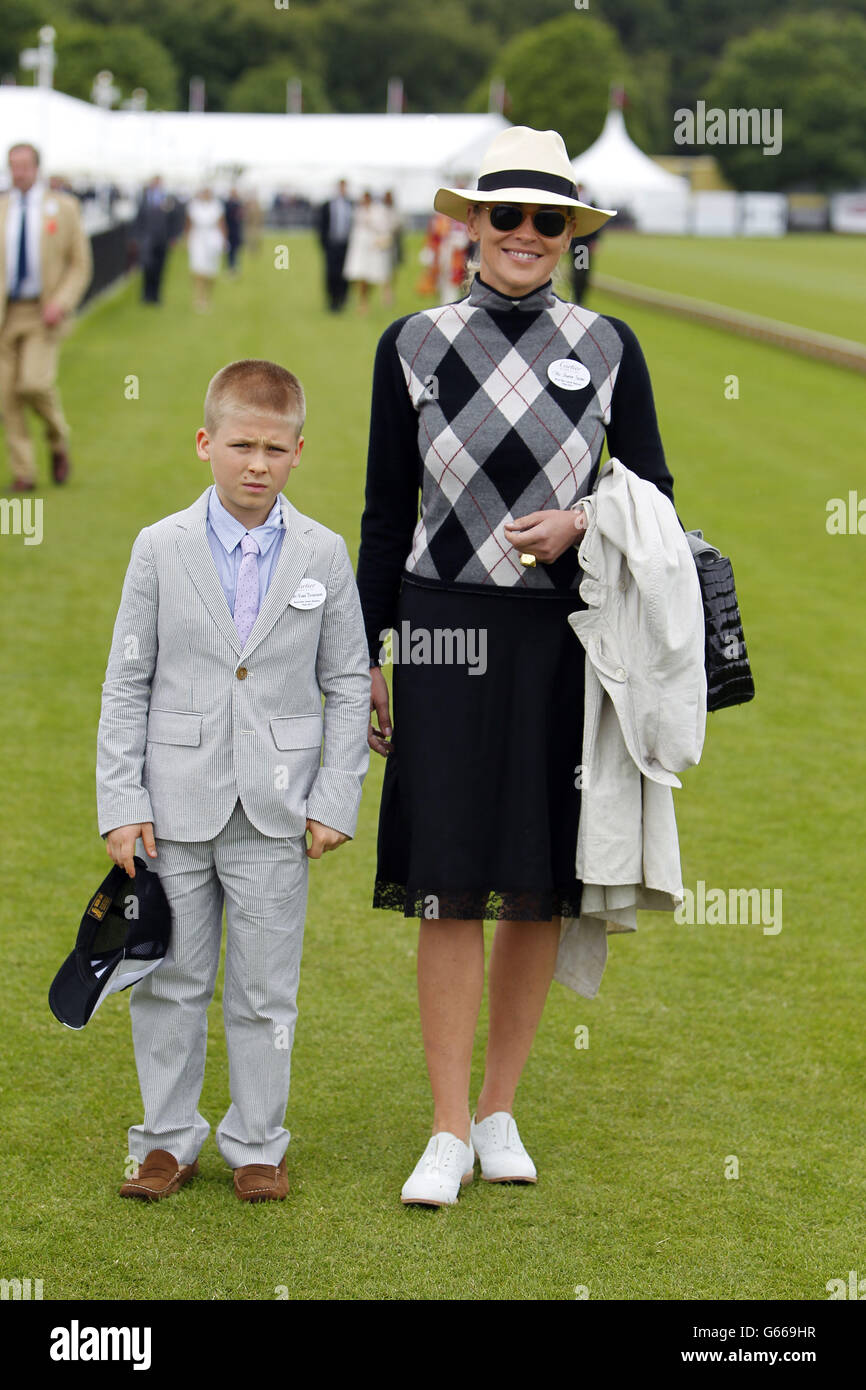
pixel 644 713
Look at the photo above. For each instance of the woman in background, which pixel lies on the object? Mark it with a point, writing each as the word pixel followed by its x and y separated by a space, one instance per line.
pixel 205 239
pixel 368 259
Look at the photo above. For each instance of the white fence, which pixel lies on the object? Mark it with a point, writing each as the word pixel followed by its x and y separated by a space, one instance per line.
pixel 734 214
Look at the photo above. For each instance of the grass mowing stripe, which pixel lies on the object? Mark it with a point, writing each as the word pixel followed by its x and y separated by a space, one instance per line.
pixel 811 280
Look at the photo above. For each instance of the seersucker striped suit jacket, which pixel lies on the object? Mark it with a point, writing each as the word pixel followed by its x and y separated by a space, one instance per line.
pixel 191 719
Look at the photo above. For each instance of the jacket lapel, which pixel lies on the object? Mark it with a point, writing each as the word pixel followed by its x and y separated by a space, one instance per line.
pixel 46 242
pixel 291 567
pixel 195 552
pixel 50 258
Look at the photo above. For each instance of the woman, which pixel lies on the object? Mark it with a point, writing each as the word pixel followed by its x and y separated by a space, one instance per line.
pixel 368 258
pixel 444 257
pixel 205 238
pixel 497 407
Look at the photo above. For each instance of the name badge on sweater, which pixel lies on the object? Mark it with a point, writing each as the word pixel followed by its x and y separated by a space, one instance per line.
pixel 309 594
pixel 570 375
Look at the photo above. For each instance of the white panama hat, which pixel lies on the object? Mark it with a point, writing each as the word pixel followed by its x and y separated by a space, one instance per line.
pixel 524 166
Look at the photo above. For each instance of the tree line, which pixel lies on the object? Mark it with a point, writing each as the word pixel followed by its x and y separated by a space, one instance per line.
pixel 557 60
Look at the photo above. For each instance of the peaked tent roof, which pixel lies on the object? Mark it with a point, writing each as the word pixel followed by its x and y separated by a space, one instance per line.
pixel 614 169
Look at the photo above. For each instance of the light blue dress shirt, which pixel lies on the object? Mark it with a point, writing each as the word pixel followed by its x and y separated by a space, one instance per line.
pixel 31 286
pixel 225 533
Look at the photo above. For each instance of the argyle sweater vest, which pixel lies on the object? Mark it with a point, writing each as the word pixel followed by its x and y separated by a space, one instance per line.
pixel 491 408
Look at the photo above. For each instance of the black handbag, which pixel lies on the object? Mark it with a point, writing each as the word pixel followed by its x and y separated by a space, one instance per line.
pixel 729 675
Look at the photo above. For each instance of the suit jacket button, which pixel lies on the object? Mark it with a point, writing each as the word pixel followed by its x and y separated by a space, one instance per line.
pixel 241 673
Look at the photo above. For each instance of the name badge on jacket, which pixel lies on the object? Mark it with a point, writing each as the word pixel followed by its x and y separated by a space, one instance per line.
pixel 309 594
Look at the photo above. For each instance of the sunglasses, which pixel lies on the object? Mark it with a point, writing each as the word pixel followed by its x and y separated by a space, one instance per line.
pixel 505 217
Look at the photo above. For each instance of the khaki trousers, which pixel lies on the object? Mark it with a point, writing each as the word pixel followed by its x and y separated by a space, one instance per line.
pixel 28 370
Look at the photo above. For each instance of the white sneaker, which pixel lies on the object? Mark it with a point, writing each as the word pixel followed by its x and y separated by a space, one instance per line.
pixel 445 1165
pixel 498 1145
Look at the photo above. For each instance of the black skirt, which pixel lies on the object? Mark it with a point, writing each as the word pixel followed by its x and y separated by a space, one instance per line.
pixel 481 796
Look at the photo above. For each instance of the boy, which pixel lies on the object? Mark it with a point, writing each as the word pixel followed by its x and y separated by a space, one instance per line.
pixel 237 616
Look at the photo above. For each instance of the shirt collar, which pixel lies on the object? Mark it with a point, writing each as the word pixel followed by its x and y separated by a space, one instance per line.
pixel 230 532
pixel 486 297
pixel 33 194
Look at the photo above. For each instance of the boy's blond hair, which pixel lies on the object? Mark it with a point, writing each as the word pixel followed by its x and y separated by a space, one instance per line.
pixel 254 384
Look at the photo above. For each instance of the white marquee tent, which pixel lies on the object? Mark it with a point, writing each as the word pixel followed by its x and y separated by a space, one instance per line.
pixel 304 154
pixel 617 174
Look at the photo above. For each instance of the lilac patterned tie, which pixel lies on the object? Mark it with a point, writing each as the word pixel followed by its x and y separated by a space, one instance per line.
pixel 247 591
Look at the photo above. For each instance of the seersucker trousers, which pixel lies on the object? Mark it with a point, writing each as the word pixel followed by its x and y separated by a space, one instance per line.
pixel 262 881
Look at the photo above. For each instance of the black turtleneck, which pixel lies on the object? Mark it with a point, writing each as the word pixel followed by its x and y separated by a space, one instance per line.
pixel 511 309
pixel 533 302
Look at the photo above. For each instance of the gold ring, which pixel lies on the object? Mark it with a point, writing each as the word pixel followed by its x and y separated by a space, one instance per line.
pixel 527 560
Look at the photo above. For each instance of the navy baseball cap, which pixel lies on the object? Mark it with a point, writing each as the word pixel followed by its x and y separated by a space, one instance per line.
pixel 124 934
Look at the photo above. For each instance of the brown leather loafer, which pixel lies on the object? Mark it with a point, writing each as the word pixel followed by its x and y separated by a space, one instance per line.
pixel 158 1176
pixel 261 1182
pixel 60 465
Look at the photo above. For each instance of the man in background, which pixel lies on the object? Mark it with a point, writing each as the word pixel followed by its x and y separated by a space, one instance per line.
pixel 253 223
pixel 151 234
pixel 45 269
pixel 233 210
pixel 335 224
pixel 580 251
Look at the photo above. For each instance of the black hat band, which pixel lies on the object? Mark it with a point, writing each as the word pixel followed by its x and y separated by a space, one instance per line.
pixel 527 178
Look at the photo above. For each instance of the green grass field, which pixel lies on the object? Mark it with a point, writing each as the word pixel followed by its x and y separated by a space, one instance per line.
pixel 814 281
pixel 705 1042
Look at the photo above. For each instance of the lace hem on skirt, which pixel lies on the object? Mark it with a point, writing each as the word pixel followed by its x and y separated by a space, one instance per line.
pixel 489 905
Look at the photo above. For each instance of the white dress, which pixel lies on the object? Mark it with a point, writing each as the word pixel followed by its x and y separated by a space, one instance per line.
pixel 205 243
pixel 369 254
